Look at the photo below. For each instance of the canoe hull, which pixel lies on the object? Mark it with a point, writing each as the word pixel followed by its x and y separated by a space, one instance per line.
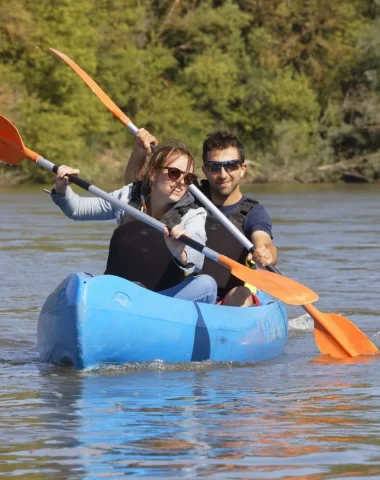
pixel 89 321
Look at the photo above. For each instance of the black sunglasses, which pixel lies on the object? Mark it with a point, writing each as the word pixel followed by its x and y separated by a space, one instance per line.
pixel 229 166
pixel 175 173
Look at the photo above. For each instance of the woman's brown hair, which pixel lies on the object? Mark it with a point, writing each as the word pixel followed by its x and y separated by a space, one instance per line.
pixel 161 154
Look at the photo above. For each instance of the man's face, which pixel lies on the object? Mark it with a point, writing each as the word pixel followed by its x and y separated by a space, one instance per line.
pixel 223 182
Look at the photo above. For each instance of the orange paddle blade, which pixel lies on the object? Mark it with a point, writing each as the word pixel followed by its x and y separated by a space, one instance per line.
pixel 10 152
pixel 9 131
pixel 283 288
pixel 337 336
pixel 12 149
pixel 114 109
pixel 11 146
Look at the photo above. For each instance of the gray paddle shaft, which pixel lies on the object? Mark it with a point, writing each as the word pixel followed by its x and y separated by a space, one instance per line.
pixel 132 127
pixel 222 218
pixel 227 223
pixel 153 222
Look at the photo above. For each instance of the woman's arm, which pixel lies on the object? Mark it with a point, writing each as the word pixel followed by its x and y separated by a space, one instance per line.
pixel 140 152
pixel 193 223
pixel 83 208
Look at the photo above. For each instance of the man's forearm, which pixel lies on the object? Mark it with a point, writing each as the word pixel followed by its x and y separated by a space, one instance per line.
pixel 260 239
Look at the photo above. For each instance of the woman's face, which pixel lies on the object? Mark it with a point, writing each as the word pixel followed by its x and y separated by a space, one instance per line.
pixel 164 186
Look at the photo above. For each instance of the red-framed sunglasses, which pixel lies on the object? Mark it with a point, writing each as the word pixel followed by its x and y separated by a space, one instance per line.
pixel 175 173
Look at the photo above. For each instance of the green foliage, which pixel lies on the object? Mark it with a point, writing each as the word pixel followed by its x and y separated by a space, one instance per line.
pixel 297 80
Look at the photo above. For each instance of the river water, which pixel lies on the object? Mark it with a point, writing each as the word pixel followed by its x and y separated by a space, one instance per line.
pixel 298 416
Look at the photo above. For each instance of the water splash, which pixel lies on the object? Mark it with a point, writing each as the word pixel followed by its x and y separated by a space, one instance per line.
pixel 376 339
pixel 159 365
pixel 304 322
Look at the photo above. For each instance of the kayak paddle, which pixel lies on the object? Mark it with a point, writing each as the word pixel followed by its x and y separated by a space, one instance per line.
pixel 12 150
pixel 334 334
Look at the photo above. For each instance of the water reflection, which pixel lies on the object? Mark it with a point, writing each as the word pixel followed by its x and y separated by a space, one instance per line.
pixel 41 426
pixel 215 420
pixel 326 359
pixel 107 424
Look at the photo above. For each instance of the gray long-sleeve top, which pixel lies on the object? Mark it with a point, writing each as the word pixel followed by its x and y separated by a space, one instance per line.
pixel 94 208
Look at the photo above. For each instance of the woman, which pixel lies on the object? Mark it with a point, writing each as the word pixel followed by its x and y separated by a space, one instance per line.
pixel 140 253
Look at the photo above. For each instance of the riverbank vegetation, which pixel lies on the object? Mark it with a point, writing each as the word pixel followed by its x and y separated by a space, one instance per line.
pixel 297 80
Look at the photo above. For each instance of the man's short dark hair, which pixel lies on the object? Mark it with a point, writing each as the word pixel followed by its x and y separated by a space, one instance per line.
pixel 220 140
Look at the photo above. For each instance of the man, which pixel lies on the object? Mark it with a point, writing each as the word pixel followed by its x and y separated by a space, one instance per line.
pixel 224 167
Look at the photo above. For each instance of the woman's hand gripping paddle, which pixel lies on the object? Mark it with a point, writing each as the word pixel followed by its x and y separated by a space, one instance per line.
pixel 12 150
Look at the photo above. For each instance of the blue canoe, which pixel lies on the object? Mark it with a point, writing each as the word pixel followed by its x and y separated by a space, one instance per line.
pixel 93 321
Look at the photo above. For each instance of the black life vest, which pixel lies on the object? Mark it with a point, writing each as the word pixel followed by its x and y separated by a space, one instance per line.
pixel 221 240
pixel 138 252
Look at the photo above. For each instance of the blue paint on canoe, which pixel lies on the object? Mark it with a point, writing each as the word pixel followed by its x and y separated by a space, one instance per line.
pixel 89 321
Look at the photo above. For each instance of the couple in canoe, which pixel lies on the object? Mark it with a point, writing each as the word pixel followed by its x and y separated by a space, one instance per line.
pixel 162 263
